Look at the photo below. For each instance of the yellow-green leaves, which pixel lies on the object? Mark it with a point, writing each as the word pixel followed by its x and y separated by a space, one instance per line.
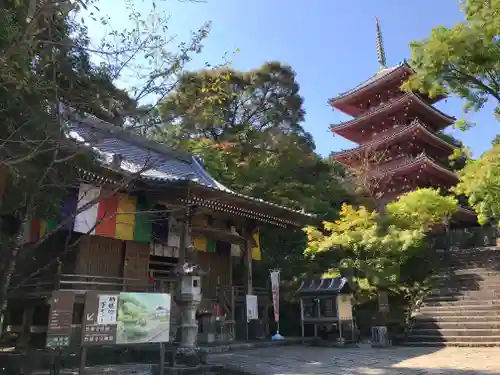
pixel 422 209
pixel 480 182
pixel 463 60
pixel 375 245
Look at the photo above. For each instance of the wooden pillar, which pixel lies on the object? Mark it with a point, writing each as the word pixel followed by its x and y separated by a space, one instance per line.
pixel 24 338
pixel 248 262
pixel 248 274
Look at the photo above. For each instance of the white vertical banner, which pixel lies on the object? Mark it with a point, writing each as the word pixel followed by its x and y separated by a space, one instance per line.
pixel 252 307
pixel 275 288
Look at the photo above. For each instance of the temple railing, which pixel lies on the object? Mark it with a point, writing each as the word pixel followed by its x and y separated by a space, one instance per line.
pixel 79 283
pixel 401 162
pixel 380 109
pixel 466 238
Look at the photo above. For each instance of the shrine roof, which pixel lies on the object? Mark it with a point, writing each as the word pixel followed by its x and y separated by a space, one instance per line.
pixel 154 162
pixel 330 286
pixel 376 78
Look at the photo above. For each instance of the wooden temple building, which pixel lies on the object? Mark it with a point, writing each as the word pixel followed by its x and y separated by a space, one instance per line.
pixel 397 133
pixel 129 238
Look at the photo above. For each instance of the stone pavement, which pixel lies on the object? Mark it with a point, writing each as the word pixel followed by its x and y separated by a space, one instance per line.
pixel 364 360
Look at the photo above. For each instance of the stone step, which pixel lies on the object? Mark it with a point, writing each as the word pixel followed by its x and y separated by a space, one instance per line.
pixel 468 325
pixel 479 271
pixel 462 313
pixel 470 250
pixel 480 296
pixel 463 303
pixel 440 338
pixel 452 343
pixel 452 332
pixel 451 316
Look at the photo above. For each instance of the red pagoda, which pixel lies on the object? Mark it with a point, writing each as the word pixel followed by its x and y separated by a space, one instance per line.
pixel 397 135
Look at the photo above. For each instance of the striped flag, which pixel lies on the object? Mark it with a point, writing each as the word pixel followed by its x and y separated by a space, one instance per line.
pixel 116 216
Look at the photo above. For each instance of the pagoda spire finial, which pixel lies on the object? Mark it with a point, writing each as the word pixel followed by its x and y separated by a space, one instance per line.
pixel 380 46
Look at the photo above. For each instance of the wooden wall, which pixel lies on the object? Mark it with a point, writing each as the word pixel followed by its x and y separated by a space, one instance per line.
pixel 218 268
pixel 136 265
pixel 100 256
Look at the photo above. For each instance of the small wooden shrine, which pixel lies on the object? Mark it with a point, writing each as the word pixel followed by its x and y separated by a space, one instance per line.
pixel 397 132
pixel 326 306
pixel 123 232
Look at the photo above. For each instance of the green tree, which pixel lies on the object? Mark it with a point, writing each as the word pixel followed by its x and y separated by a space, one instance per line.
pixel 373 246
pixel 248 132
pixel 47 61
pixel 422 209
pixel 464 59
pixel 480 182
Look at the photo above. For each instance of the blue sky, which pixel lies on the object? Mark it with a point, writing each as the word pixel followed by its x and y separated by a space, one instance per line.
pixel 330 44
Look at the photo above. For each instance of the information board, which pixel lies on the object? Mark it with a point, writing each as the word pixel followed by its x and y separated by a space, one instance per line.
pixel 126 318
pixel 60 319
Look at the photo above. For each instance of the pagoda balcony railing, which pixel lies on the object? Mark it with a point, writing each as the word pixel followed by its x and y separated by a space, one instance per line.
pixel 382 108
pixel 394 164
pixel 372 111
pixel 388 135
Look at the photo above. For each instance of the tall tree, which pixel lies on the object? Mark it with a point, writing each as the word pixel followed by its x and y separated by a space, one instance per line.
pixel 248 132
pixel 250 135
pixel 480 182
pixel 47 61
pixel 464 59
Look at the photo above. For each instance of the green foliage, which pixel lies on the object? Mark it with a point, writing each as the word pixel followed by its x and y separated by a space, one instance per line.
pixel 248 133
pixel 375 247
pixel 480 182
pixel 496 141
pixel 47 61
pixel 463 60
pixel 246 126
pixel 422 209
pixel 372 249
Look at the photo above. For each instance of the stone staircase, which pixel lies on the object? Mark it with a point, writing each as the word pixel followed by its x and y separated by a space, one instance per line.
pixel 464 308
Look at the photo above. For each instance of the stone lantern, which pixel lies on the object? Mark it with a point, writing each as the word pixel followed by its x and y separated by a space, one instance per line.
pixel 188 297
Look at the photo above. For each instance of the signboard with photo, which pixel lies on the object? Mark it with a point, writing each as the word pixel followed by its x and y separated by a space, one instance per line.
pixel 126 318
pixel 60 319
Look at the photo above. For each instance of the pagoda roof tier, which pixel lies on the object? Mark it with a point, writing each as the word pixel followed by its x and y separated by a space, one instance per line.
pixel 465 214
pixel 410 164
pixel 372 84
pixel 353 130
pixel 396 135
pixel 347 102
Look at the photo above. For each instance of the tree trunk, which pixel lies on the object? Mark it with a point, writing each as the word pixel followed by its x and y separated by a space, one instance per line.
pixel 8 272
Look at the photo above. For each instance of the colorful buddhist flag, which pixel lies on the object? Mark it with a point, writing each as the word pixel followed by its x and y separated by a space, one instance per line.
pixel 35 229
pixel 200 242
pixel 256 252
pixel 119 216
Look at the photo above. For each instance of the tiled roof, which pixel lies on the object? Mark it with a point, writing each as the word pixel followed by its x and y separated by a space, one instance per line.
pixel 391 105
pixel 392 134
pixel 324 286
pixel 156 161
pixel 376 77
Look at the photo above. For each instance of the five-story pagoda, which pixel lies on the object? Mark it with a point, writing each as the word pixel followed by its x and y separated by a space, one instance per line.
pixel 399 148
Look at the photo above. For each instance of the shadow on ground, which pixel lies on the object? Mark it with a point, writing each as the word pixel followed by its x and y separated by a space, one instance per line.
pixel 397 360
